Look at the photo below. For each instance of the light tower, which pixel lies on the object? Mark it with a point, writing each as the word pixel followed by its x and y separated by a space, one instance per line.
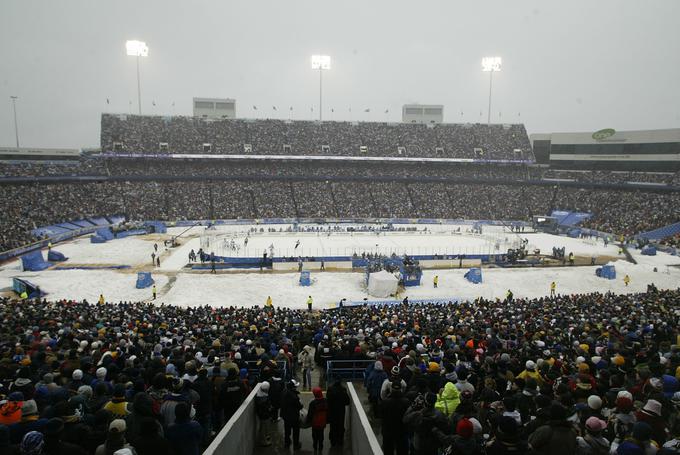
pixel 137 49
pixel 321 63
pixel 490 65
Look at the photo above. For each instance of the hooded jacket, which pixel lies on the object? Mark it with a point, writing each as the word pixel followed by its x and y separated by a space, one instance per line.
pixel 448 400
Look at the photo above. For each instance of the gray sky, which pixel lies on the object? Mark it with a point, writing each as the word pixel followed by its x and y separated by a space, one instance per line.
pixel 577 65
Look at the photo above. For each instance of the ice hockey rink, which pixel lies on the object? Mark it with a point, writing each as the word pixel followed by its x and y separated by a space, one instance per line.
pixel 89 277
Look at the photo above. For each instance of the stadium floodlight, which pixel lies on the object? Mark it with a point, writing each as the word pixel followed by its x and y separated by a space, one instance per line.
pixel 16 127
pixel 490 65
pixel 137 49
pixel 321 63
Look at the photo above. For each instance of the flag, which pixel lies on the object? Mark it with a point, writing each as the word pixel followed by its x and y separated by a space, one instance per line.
pixel 107 101
pixel 367 110
pixel 332 110
pixel 254 107
pixel 386 111
pixel 153 103
pixel 274 107
pixel 519 114
pixel 461 113
pixel 311 108
pixel 291 108
pixel 173 104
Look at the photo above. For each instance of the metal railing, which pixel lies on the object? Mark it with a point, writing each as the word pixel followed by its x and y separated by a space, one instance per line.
pixel 350 370
pixel 254 369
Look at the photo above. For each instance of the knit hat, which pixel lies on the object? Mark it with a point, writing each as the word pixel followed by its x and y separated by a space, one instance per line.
pixel 101 373
pixel 594 424
pixel 558 412
pixel 594 402
pixel 32 443
pixel 53 427
pixel 464 429
pixel 530 365
pixel 78 375
pixel 29 408
pixel 433 367
pixel 476 426
pixel 318 393
pixel 396 370
pixel 507 427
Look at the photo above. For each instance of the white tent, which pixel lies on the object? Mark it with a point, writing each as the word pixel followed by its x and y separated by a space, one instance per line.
pixel 382 284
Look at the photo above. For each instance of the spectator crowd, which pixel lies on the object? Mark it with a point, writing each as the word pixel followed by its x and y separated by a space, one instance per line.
pixel 32 205
pixel 190 135
pixel 577 374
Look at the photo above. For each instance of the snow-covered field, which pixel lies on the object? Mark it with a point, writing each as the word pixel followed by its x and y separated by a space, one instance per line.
pixel 180 287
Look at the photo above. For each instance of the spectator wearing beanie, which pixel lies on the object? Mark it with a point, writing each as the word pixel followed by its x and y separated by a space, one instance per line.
pixel 118 406
pixel 394 434
pixel 30 421
pixel 593 409
pixel 10 411
pixel 593 442
pixel 463 441
pixel 184 435
pixel 115 439
pixel 54 444
pixel 149 440
pixel 639 443
pixel 506 438
pixel 422 417
pixel 32 443
pixel 556 438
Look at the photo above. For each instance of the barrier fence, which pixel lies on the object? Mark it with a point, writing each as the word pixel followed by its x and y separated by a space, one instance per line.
pixel 349 370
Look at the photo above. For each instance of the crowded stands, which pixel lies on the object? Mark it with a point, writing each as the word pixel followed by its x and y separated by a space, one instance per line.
pixel 551 375
pixel 189 135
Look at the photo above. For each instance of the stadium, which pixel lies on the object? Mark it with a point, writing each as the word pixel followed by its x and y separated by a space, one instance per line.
pixel 232 281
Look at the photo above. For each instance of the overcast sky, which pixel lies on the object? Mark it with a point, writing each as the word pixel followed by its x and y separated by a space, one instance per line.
pixel 576 65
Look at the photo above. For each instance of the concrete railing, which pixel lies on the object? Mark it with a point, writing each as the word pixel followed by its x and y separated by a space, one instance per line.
pixel 364 441
pixel 240 432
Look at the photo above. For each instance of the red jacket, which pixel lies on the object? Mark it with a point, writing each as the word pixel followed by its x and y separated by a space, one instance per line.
pixel 318 413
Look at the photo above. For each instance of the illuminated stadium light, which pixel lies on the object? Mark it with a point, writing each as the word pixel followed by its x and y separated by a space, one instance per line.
pixel 137 49
pixel 490 65
pixel 321 62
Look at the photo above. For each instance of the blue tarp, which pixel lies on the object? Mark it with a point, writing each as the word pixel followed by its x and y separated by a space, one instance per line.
pixel 123 234
pixel 144 280
pixel 606 271
pixel 305 278
pixel 649 250
pixel 56 256
pixel 104 233
pixel 474 275
pixel 20 285
pixel 157 227
pixel 34 261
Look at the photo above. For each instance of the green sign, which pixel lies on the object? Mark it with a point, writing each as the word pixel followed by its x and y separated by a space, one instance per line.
pixel 603 134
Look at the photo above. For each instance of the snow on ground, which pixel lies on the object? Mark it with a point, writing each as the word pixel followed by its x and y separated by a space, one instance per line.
pixel 88 284
pixel 191 288
pixel 249 289
pixel 133 250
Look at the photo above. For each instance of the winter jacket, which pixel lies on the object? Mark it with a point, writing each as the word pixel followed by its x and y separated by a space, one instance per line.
pixel 317 413
pixel 185 437
pixel 290 407
pixel 375 382
pixel 422 422
pixel 448 400
pixel 556 438
pixel 338 400
pixel 392 412
pixel 591 445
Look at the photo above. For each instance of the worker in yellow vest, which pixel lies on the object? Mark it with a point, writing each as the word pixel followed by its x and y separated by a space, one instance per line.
pixel 435 281
pixel 49 246
pixel 269 303
pixel 153 290
pixel 101 299
pixel 553 287
pixel 309 303
pixel 626 279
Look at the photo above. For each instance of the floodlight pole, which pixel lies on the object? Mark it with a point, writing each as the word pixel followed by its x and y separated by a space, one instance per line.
pixel 320 94
pixel 139 89
pixel 488 120
pixel 16 127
